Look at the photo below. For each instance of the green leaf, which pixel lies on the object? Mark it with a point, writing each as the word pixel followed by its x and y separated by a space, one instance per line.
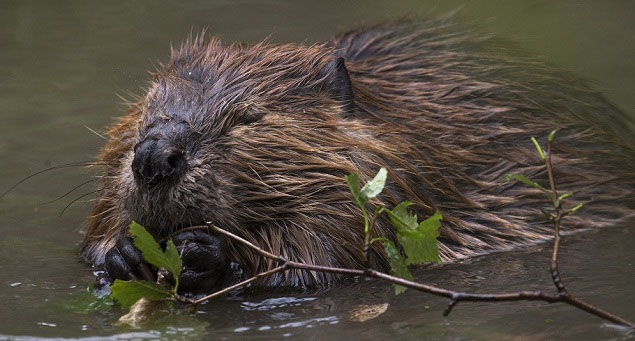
pixel 564 196
pixel 129 292
pixel 87 302
pixel 538 148
pixel 413 247
pixel 152 252
pixel 575 209
pixel 429 228
pixel 419 240
pixel 175 263
pixel 527 181
pixel 373 187
pixel 401 218
pixel 420 245
pixel 552 135
pixel 398 266
pixel 353 184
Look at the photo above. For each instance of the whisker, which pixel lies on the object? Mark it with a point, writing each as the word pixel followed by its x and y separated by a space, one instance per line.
pixel 102 213
pixel 96 133
pixel 76 199
pixel 69 192
pixel 66 165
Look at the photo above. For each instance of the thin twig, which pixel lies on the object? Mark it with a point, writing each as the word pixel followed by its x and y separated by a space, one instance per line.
pixel 451 305
pixel 557 219
pixel 239 284
pixel 213 228
pixel 367 240
pixel 453 295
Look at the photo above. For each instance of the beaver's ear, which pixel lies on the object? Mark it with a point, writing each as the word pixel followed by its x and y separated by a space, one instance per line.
pixel 338 81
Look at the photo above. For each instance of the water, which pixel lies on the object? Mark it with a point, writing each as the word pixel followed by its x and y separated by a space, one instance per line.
pixel 61 66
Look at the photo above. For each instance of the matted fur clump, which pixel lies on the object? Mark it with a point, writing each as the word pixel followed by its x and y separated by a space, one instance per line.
pixel 259 138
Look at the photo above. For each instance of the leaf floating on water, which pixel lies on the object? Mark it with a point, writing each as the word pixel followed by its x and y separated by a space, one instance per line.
pixel 363 313
pixel 89 302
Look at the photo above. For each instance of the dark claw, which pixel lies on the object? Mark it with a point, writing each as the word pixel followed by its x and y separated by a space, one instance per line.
pixel 124 261
pixel 116 265
pixel 205 262
pixel 129 251
pixel 201 251
pixel 204 258
pixel 196 281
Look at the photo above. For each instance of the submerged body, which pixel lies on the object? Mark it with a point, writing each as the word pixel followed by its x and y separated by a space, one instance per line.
pixel 257 139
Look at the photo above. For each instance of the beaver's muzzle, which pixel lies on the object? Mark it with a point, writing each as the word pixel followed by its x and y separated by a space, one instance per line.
pixel 157 162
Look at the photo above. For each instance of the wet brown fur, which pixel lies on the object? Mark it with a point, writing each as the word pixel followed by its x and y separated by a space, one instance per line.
pixel 446 110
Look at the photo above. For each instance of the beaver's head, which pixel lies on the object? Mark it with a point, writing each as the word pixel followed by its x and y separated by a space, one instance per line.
pixel 224 133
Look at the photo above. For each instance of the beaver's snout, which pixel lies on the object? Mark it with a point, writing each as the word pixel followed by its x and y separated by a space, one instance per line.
pixel 157 161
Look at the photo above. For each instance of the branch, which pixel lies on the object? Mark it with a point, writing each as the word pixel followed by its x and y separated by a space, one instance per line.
pixel 238 285
pixel 455 296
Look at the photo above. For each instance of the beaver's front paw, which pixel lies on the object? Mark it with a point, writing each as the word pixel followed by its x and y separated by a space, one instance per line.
pixel 205 262
pixel 124 261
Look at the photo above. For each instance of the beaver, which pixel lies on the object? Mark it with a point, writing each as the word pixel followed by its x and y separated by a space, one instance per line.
pixel 257 139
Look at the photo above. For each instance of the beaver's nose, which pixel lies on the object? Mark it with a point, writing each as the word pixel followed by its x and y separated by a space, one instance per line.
pixel 156 161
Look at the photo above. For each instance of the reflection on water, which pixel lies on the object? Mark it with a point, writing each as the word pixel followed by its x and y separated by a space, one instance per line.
pixel 275 303
pixel 61 65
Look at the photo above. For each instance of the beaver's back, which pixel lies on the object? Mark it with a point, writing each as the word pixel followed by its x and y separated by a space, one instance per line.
pixel 469 105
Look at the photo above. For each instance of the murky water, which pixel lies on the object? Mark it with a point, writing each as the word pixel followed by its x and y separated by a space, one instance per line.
pixel 61 66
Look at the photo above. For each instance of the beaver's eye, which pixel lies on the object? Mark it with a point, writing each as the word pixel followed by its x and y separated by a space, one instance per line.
pixel 235 118
pixel 250 118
